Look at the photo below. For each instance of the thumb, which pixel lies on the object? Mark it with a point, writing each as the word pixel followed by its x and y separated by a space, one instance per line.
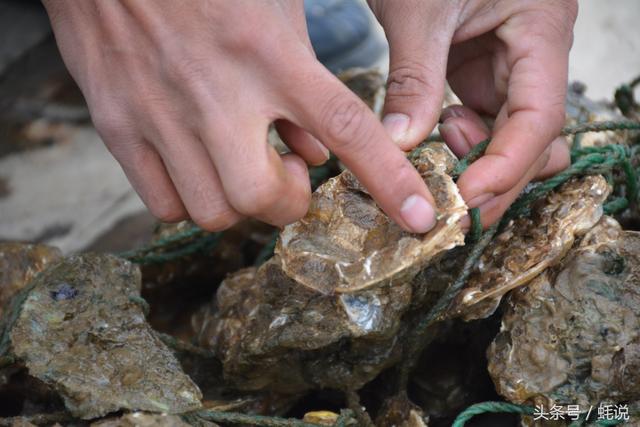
pixel 419 35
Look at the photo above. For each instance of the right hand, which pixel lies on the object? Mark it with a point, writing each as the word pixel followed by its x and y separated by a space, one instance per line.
pixel 183 93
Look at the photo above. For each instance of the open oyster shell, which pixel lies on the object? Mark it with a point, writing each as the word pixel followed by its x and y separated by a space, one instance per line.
pixel 529 245
pixel 346 243
pixel 573 335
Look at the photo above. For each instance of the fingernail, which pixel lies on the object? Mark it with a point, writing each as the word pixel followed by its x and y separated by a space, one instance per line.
pixel 418 214
pixel 449 112
pixel 324 149
pixel 480 200
pixel 454 138
pixel 396 125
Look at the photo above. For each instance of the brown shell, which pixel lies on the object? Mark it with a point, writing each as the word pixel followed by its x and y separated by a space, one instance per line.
pixel 573 335
pixel 346 243
pixel 81 331
pixel 529 245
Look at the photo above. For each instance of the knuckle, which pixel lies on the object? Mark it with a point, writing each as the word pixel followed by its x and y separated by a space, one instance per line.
pixel 411 79
pixel 217 222
pixel 166 212
pixel 344 121
pixel 260 196
pixel 244 39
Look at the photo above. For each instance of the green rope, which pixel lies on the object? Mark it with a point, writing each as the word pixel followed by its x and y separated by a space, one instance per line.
pixel 511 408
pixel 346 419
pixel 267 250
pixel 245 419
pixel 491 407
pixel 179 245
pixel 144 305
pixel 417 342
pixel 624 97
pixel 615 206
pixel 476 224
pixel 590 160
pixel 474 154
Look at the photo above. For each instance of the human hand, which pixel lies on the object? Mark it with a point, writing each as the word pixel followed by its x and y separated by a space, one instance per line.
pixel 183 94
pixel 503 58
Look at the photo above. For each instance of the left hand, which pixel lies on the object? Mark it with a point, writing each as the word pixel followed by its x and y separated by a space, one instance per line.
pixel 504 58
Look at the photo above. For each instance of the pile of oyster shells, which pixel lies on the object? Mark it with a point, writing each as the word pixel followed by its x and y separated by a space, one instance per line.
pixel 553 304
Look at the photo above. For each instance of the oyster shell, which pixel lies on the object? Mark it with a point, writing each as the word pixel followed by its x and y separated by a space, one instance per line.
pixel 368 84
pixel 581 109
pixel 573 335
pixel 325 311
pixel 271 332
pixel 346 243
pixel 81 331
pixel 529 245
pixel 19 263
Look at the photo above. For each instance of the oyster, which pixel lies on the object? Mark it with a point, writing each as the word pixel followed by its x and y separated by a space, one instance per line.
pixel 400 412
pixel 368 84
pixel 81 331
pixel 346 243
pixel 573 335
pixel 581 109
pixel 529 245
pixel 325 311
pixel 19 263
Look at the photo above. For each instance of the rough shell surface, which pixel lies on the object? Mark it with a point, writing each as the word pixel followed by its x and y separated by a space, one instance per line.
pixel 272 333
pixel 573 335
pixel 529 245
pixel 19 263
pixel 368 84
pixel 581 109
pixel 305 327
pixel 346 243
pixel 81 331
pixel 399 411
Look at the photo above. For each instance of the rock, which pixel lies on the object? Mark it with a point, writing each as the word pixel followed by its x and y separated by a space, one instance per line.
pixel 81 331
pixel 326 311
pixel 19 264
pixel 572 336
pixel 529 245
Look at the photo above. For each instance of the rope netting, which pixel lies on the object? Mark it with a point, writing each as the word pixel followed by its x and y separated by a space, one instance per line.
pixel 193 240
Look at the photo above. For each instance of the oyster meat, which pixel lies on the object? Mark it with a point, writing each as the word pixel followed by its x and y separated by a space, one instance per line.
pixel 81 331
pixel 573 335
pixel 529 245
pixel 326 310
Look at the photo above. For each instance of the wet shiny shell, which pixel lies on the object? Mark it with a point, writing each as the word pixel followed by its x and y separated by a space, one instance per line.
pixel 573 335
pixel 347 243
pixel 529 245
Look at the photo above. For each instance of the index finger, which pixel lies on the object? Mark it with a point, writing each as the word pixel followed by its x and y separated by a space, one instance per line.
pixel 344 124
